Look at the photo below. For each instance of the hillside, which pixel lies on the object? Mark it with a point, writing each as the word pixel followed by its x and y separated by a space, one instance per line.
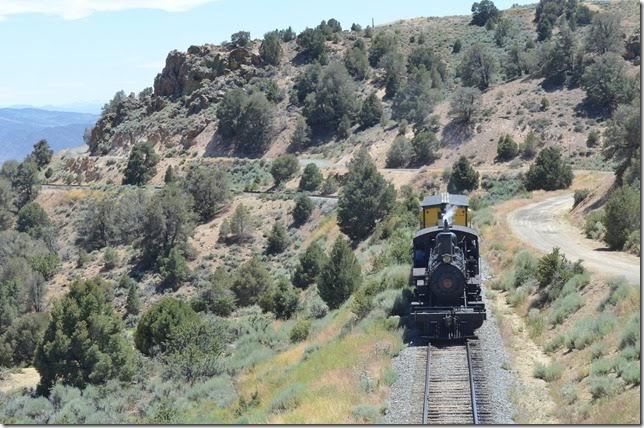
pixel 21 128
pixel 233 246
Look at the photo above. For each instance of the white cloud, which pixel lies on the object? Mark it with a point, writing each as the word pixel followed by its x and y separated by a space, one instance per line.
pixel 77 9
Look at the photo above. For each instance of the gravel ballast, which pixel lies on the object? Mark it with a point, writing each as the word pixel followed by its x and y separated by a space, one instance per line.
pixel 402 408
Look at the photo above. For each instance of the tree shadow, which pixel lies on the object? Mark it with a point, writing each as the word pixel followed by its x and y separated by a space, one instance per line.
pixel 456 132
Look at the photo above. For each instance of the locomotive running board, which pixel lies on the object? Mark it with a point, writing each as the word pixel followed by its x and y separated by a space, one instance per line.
pixel 448 322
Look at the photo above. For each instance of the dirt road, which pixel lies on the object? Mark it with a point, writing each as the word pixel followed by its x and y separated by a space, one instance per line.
pixel 543 226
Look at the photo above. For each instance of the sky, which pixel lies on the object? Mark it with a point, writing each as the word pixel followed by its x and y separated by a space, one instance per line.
pixel 75 54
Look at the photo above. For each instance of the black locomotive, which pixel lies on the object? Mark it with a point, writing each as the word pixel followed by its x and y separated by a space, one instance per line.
pixel 445 274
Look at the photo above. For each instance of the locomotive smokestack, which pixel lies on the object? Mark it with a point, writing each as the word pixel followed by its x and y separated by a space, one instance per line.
pixel 445 225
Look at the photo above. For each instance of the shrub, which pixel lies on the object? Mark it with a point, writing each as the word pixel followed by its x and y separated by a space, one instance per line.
pixel 250 281
pixel 483 12
pixel 548 373
pixel 241 224
pixel 301 138
pixel 416 98
pixel 564 307
pixel 174 269
pixel 594 225
pixel 631 373
pixel 606 83
pixel 400 153
pixel 141 165
pixel 287 399
pixel 588 330
pixel 210 190
pixel 580 195
pixel 425 146
pixel 598 350
pixel 240 38
pixel 84 341
pixel 620 289
pixel 631 334
pixel 506 149
pixel 158 324
pixel 356 62
pixel 603 386
pixel 110 258
pixel 549 171
pixel 300 330
pixel 554 344
pixel 133 303
pixel 18 343
pixel 622 216
pixel 529 146
pixel 330 186
pixel 536 322
pixel 309 267
pixel 569 393
pixel 42 153
pixel 456 47
pixel 340 275
pixel 593 138
pixel 281 299
pixel 601 367
pixel 371 111
pixel 284 168
pixel 465 104
pixel 463 176
pixel 311 178
pixel 34 221
pixel 302 210
pixel 316 308
pixel 478 66
pixel 278 239
pixel 365 413
pixel 271 48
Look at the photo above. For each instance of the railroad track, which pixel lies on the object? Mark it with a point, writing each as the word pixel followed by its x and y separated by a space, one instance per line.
pixel 452 391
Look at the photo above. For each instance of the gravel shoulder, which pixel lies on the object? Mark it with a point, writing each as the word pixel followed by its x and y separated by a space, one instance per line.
pixel 543 226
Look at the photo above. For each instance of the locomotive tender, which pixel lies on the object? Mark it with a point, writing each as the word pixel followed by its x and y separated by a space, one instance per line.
pixel 445 272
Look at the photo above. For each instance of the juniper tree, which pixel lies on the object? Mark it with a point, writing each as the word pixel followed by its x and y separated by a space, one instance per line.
pixel 340 275
pixel 309 266
pixel 311 177
pixel 302 210
pixel 141 165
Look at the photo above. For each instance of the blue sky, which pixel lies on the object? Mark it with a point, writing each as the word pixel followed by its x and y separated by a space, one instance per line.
pixel 63 52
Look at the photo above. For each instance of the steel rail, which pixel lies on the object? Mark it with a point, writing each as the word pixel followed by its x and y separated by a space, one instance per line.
pixel 475 415
pixel 426 394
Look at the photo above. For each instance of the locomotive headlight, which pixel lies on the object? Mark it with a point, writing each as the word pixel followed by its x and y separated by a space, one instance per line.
pixel 447 258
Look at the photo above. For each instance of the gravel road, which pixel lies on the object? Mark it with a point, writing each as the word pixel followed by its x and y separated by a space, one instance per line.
pixel 542 226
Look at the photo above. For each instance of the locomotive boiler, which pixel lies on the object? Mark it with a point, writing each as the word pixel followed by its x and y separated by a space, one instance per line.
pixel 445 275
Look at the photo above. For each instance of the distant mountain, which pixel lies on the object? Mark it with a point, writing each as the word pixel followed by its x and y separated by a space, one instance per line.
pixel 20 128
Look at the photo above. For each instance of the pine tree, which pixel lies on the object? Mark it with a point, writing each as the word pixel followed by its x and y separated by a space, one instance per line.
pixel 311 177
pixel 271 48
pixel 278 240
pixel 302 209
pixel 371 111
pixel 250 281
pixel 365 198
pixel 309 267
pixel 340 275
pixel 133 303
pixel 549 171
pixel 463 176
pixel 141 165
pixel 42 153
pixel 84 342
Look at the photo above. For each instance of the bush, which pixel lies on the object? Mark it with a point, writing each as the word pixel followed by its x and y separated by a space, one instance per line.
pixel 34 221
pixel 400 153
pixel 141 165
pixel 311 178
pixel 598 350
pixel 549 171
pixel 619 290
pixel 631 334
pixel 603 386
pixel 356 62
pixel 271 48
pixel 425 146
pixel 463 176
pixel 315 307
pixel 456 47
pixel 309 267
pixel 465 105
pixel 281 299
pixel 593 138
pixel 365 413
pixel 371 111
pixel 287 399
pixel 340 275
pixel 506 149
pixel 159 323
pixel 300 330
pixel 241 224
pixel 302 210
pixel 588 330
pixel 622 216
pixel 210 190
pixel 632 244
pixel 478 67
pixel 536 322
pixel 240 38
pixel 18 343
pixel 548 373
pixel 580 195
pixel 483 12
pixel 174 269
pixel 250 281
pixel 594 225
pixel 606 83
pixel 564 307
pixel 569 393
pixel 84 340
pixel 554 344
pixel 284 168
pixel 110 258
pixel 631 373
pixel 601 367
pixel 278 239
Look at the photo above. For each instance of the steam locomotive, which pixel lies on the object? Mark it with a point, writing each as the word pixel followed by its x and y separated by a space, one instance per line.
pixel 445 272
